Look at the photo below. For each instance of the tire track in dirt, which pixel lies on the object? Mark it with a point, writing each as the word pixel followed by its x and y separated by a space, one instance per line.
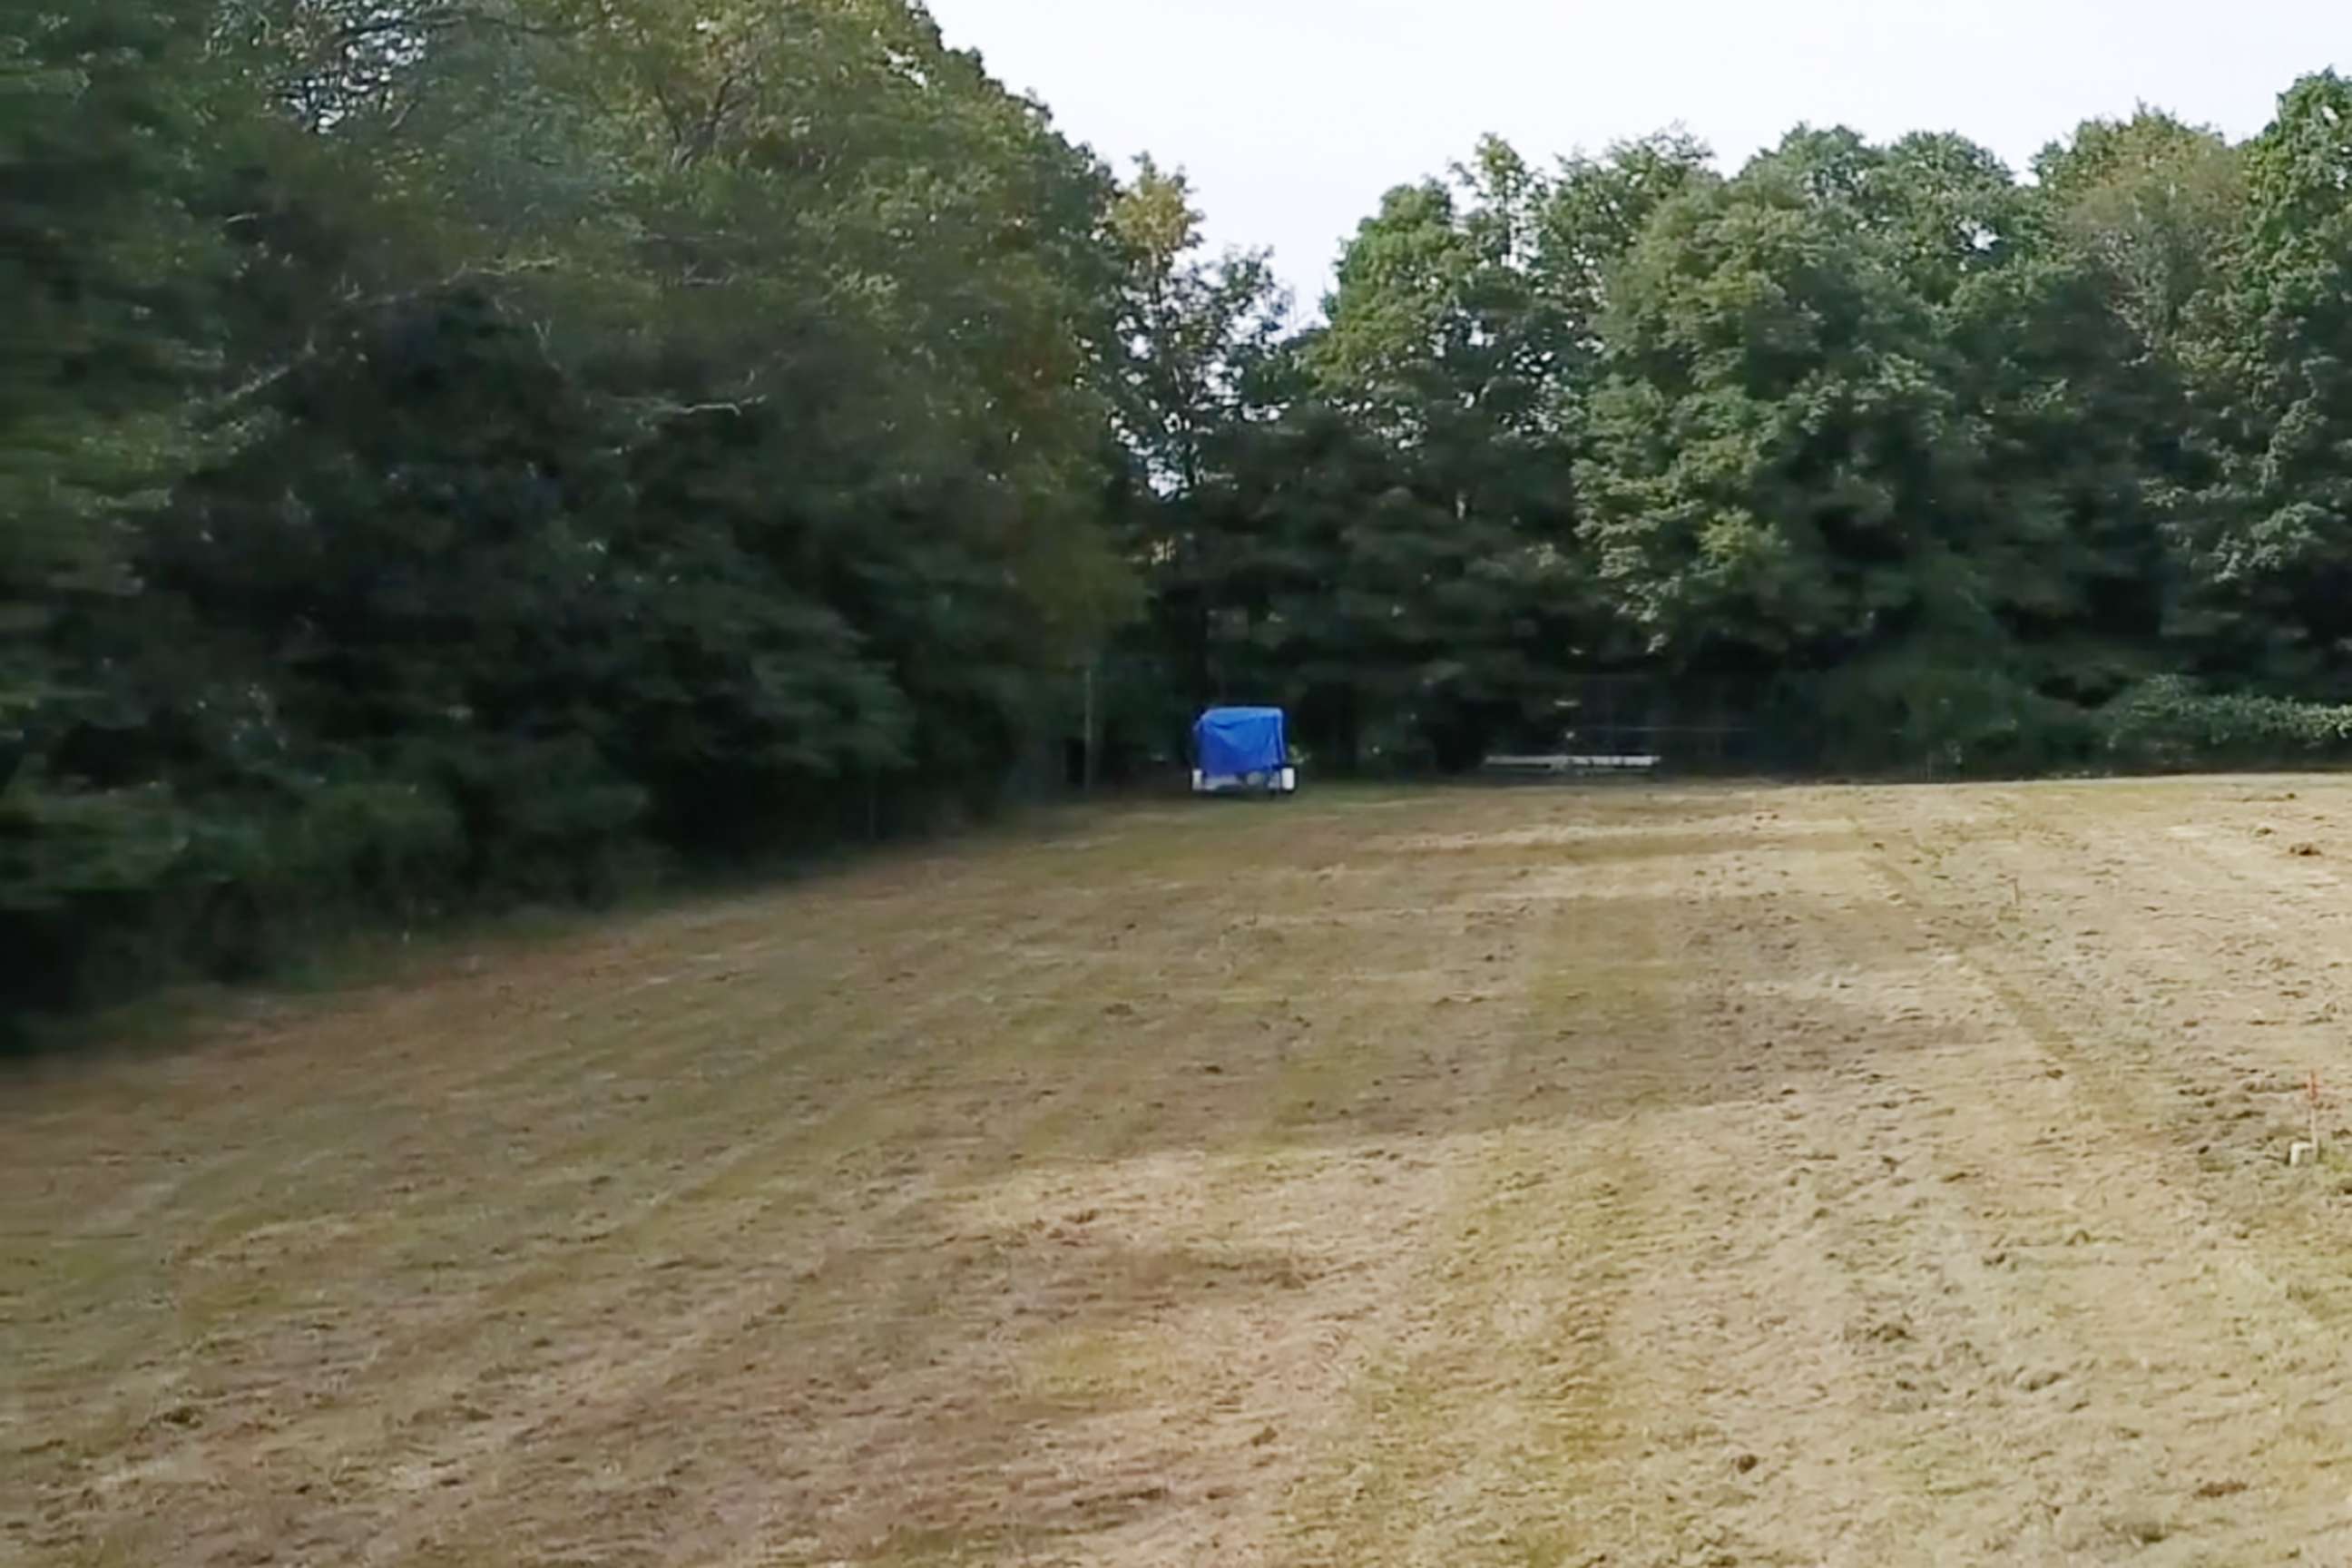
pixel 455 1350
pixel 850 1172
pixel 1489 1379
pixel 1053 1465
pixel 1722 1176
pixel 1917 1304
pixel 2191 1401
pixel 1766 1325
pixel 1556 1395
pixel 405 1188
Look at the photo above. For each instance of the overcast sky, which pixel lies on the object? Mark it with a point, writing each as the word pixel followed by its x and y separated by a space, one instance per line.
pixel 1292 116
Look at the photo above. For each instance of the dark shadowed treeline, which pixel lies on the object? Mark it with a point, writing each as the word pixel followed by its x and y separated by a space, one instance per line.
pixel 1932 467
pixel 461 451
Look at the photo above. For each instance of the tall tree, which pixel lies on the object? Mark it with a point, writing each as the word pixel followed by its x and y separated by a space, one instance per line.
pixel 2266 543
pixel 1200 336
pixel 1798 452
pixel 1198 332
pixel 2157 204
pixel 1445 344
pixel 105 111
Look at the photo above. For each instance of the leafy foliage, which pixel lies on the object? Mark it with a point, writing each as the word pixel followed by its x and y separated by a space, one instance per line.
pixel 470 452
pixel 2264 526
pixel 2169 723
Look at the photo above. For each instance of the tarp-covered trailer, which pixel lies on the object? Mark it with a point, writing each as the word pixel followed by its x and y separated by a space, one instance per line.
pixel 1242 748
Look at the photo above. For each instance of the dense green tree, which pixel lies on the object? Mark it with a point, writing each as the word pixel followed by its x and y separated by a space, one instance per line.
pixel 1594 211
pixel 1834 443
pixel 2265 541
pixel 2142 216
pixel 1350 584
pixel 1198 332
pixel 1450 344
pixel 487 444
pixel 1199 337
pixel 1768 425
pixel 2157 203
pixel 108 369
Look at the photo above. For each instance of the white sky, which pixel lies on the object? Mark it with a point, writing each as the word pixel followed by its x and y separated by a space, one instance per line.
pixel 1292 116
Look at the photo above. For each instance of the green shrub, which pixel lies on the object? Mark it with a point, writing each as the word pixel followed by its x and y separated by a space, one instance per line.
pixel 1944 717
pixel 2170 723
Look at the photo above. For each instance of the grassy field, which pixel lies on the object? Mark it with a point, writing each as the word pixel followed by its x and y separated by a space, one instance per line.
pixel 1581 1176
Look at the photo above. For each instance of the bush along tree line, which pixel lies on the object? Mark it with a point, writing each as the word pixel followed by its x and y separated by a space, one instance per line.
pixel 456 452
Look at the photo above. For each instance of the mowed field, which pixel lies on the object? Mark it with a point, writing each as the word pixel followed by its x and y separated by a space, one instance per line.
pixel 1627 1176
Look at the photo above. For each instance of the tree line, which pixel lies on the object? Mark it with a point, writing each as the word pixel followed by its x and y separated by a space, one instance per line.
pixel 456 452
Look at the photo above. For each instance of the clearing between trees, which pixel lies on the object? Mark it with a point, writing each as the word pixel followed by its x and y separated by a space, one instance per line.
pixel 1629 1177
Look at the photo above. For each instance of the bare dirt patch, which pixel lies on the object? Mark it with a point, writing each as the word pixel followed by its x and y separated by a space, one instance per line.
pixel 1625 1176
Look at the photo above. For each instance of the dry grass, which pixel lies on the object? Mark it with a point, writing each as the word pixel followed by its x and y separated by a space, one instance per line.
pixel 1560 1177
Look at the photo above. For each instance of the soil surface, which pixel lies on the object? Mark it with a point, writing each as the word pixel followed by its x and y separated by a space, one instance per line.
pixel 1610 1175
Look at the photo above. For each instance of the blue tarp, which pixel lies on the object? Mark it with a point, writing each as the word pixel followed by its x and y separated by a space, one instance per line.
pixel 1232 741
